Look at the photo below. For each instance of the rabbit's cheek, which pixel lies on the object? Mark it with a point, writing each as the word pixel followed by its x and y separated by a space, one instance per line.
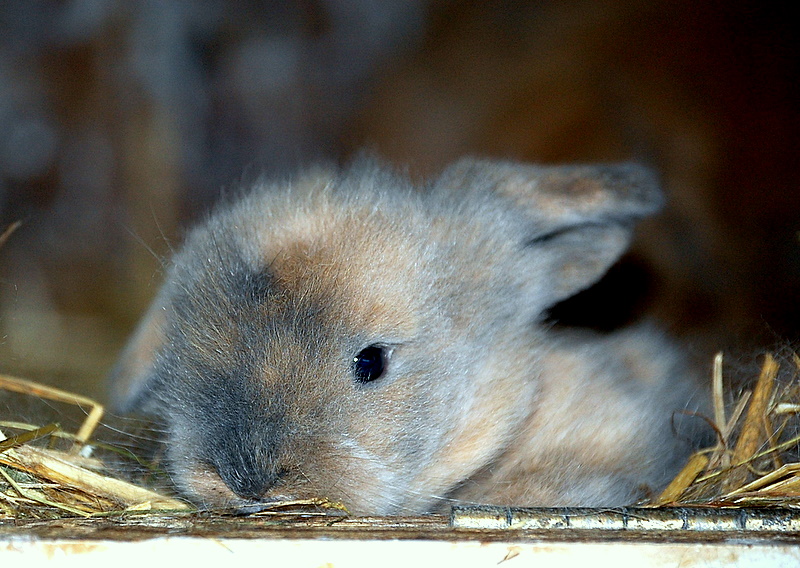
pixel 205 487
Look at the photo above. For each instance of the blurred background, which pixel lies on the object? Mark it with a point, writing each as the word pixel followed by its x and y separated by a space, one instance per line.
pixel 122 122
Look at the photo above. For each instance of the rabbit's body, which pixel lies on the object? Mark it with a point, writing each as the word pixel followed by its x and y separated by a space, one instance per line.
pixel 346 335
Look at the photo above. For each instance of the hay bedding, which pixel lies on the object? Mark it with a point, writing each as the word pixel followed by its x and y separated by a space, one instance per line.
pixel 755 462
pixel 47 472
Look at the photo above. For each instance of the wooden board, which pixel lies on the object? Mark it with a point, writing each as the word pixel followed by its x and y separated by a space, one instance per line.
pixel 469 537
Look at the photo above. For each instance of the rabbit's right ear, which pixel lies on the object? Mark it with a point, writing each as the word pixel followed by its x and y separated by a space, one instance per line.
pixel 576 220
pixel 131 377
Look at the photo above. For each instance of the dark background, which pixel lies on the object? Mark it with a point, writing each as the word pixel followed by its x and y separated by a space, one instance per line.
pixel 121 122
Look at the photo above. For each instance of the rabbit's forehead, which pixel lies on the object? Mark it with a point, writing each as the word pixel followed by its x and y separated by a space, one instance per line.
pixel 356 270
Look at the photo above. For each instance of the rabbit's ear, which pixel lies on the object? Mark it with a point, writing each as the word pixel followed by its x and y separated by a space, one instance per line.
pixel 134 371
pixel 577 220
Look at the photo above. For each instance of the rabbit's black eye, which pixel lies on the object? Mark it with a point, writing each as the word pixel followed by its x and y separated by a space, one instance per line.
pixel 369 364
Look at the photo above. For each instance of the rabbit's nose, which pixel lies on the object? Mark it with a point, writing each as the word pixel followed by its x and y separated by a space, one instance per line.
pixel 247 477
pixel 250 485
pixel 246 456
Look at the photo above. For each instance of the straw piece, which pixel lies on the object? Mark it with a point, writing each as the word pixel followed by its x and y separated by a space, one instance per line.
pixel 48 465
pixel 787 408
pixel 719 401
pixel 18 440
pixel 765 480
pixel 314 507
pixel 737 413
pixel 696 464
pixel 34 497
pixel 24 386
pixel 753 435
pixel 74 458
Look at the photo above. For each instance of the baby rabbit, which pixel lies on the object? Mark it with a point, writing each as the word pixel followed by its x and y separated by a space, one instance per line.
pixel 351 336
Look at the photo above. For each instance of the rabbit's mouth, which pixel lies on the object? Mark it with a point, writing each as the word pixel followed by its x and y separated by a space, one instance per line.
pixel 213 493
pixel 287 505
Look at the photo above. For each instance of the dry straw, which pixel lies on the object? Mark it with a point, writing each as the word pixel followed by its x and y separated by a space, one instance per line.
pixel 755 460
pixel 41 482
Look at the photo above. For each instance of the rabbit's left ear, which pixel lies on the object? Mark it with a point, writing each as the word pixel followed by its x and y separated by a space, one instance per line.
pixel 132 376
pixel 578 220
